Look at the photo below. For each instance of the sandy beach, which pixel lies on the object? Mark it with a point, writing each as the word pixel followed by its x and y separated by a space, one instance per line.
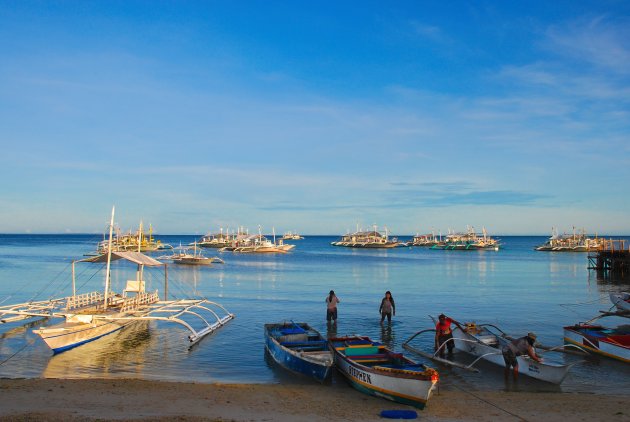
pixel 88 400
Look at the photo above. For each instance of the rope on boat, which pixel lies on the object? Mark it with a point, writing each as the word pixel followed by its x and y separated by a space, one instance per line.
pixel 46 286
pixel 78 288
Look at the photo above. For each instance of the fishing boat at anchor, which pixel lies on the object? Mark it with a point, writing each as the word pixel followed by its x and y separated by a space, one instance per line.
pixel 483 343
pixel 221 239
pixel 372 368
pixel 367 239
pixel 183 255
pixel 138 241
pixel 299 348
pixel 90 316
pixel 426 240
pixel 292 236
pixel 611 342
pixel 576 242
pixel 468 241
pixel 258 243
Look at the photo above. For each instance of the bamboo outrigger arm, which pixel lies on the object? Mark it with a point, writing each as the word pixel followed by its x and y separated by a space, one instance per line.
pixel 175 310
pixel 39 309
pixel 559 349
pixel 434 356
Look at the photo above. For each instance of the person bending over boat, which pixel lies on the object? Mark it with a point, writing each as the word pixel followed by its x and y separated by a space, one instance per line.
pixel 444 334
pixel 387 307
pixel 331 307
pixel 519 347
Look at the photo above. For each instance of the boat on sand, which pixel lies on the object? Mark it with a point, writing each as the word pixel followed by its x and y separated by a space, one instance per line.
pixel 372 368
pixel 299 348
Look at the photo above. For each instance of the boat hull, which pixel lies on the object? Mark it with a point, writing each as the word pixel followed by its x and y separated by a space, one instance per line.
pixel 596 339
pixel 367 245
pixel 621 300
pixel 410 387
pixel 193 261
pixel 312 358
pixel 481 346
pixel 66 336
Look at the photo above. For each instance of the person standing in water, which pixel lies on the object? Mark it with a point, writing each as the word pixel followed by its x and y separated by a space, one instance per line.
pixel 331 307
pixel 387 308
pixel 523 346
pixel 444 334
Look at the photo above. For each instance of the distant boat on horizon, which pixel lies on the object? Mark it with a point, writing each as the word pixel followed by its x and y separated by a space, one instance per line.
pixel 576 242
pixel 368 239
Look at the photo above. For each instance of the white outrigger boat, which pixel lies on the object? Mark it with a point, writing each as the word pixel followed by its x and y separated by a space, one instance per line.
pixel 483 343
pixel 260 244
pixel 90 316
pixel 186 255
pixel 612 342
pixel 621 300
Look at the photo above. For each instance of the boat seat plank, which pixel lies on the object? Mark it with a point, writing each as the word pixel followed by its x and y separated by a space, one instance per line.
pixel 379 356
pixel 307 348
pixel 303 343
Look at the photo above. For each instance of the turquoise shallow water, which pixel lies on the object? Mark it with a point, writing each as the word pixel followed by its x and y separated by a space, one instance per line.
pixel 515 288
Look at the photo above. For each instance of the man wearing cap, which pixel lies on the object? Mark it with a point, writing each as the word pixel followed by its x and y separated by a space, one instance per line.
pixel 444 334
pixel 519 347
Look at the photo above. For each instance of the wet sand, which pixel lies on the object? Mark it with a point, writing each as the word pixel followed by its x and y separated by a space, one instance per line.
pixel 94 399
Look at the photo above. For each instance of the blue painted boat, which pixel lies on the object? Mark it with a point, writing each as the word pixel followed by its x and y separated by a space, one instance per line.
pixel 299 348
pixel 374 369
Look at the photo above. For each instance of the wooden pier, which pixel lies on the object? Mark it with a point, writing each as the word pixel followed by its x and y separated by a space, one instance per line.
pixel 612 256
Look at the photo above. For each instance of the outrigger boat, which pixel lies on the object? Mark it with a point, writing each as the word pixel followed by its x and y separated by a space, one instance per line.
pixel 260 244
pixel 426 240
pixel 576 242
pixel 621 300
pixel 468 241
pixel 292 236
pixel 221 239
pixel 138 241
pixel 190 256
pixel 90 316
pixel 374 369
pixel 299 348
pixel 594 338
pixel 368 239
pixel 484 343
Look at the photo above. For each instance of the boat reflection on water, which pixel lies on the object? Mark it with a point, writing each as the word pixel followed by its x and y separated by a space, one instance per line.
pixel 123 353
pixel 388 337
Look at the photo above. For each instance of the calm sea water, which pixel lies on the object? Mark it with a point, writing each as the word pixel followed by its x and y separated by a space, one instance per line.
pixel 516 288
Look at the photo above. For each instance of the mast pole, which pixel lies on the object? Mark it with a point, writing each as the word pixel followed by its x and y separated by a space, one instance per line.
pixel 109 257
pixel 139 270
pixel 74 284
pixel 165 282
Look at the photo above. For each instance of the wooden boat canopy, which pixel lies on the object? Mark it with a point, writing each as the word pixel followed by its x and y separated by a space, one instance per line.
pixel 135 257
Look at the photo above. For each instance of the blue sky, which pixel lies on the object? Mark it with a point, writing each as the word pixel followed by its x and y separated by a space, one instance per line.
pixel 315 116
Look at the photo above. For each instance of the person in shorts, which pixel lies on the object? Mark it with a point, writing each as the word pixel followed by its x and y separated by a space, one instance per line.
pixel 523 346
pixel 331 307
